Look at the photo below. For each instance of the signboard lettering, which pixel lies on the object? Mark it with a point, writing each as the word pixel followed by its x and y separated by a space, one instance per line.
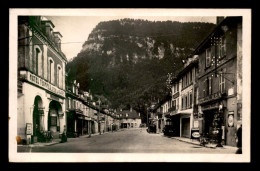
pixel 195 134
pixel 44 84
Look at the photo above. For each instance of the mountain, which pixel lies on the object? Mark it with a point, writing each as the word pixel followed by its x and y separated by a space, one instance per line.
pixel 127 61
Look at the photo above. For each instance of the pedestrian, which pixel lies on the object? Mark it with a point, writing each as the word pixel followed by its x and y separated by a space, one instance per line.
pixel 239 140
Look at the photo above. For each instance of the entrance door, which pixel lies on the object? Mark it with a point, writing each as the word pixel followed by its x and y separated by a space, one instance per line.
pixel 36 123
pixel 36 118
pixel 186 127
pixel 53 119
pixel 176 125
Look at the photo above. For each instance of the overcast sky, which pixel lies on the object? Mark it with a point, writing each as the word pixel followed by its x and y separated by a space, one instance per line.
pixel 75 29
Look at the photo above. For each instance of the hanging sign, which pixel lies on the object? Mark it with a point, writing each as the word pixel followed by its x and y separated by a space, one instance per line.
pixel 195 134
pixel 231 119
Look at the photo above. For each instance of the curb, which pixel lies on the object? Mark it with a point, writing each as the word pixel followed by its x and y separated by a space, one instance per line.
pixel 206 146
pixel 195 143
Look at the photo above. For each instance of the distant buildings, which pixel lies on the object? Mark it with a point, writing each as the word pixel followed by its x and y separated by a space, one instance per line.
pixel 129 119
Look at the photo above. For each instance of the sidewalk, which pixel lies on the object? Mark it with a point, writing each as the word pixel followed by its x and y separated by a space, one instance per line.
pixel 196 142
pixel 40 144
pixel 57 141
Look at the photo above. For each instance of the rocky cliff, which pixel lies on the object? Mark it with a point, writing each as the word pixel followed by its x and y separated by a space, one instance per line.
pixel 127 60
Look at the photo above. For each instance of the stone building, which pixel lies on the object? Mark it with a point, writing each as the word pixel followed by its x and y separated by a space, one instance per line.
pixel 220 80
pixel 183 98
pixel 41 80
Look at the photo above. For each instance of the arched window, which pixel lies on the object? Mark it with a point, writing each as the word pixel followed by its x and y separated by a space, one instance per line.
pixel 59 76
pixel 51 70
pixel 38 64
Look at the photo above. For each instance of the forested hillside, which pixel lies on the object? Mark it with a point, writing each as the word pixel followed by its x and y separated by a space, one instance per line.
pixel 127 61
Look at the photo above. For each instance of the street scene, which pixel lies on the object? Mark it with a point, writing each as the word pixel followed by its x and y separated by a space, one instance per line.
pixel 129 84
pixel 136 140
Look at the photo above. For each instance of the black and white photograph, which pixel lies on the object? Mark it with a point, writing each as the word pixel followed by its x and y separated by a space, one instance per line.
pixel 129 85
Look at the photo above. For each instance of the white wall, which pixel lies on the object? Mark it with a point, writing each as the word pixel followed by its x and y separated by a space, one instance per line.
pixel 26 105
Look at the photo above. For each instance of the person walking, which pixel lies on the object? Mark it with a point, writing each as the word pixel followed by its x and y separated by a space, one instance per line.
pixel 239 140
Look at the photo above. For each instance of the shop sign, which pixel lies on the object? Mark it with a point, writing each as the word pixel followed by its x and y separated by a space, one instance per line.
pixel 44 84
pixel 231 119
pixel 210 106
pixel 28 129
pixel 196 124
pixel 195 134
pixel 230 91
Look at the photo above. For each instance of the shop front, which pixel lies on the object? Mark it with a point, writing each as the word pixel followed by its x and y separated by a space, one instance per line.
pixel 213 121
pixel 54 119
pixel 172 125
pixel 71 119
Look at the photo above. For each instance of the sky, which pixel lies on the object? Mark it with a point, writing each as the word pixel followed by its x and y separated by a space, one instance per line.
pixel 75 29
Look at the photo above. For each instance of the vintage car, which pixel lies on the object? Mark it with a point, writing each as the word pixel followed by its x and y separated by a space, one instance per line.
pixel 151 128
pixel 169 130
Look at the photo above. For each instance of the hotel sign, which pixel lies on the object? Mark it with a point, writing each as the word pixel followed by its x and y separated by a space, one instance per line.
pixel 44 84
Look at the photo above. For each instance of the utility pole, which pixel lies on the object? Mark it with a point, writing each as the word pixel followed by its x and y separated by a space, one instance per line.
pixel 99 126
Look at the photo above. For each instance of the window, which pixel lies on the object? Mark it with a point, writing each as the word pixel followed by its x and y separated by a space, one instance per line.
pixel 69 105
pixel 177 85
pixel 174 104
pixel 222 81
pixel 190 99
pixel 59 77
pixel 50 70
pixel 37 56
pixel 182 103
pixel 204 88
pixel 186 102
pixel 187 79
pixel 74 105
pixel 177 103
pixel 222 47
pixel 191 79
pixel 208 57
pixel 210 85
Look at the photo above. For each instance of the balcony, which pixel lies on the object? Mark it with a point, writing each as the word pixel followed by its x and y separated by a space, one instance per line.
pixel 176 95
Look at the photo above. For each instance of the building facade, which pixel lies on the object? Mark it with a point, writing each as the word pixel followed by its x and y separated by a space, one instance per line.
pixel 129 119
pixel 183 98
pixel 41 80
pixel 220 81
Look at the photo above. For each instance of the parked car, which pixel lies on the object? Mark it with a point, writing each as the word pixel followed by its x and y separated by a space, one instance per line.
pixel 168 130
pixel 151 128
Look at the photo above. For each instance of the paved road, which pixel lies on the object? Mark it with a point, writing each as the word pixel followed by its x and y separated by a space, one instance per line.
pixel 127 141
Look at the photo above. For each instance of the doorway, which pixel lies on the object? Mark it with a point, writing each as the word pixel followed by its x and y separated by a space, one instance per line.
pixel 53 118
pixel 37 124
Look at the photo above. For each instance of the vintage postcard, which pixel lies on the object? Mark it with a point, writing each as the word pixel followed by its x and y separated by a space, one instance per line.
pixel 129 85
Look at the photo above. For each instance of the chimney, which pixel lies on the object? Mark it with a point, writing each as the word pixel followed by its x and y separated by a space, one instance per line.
pixel 131 109
pixel 220 19
pixel 48 26
pixel 57 39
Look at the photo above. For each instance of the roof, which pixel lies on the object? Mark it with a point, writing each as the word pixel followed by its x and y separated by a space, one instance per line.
pixel 217 29
pixel 131 114
pixel 166 98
